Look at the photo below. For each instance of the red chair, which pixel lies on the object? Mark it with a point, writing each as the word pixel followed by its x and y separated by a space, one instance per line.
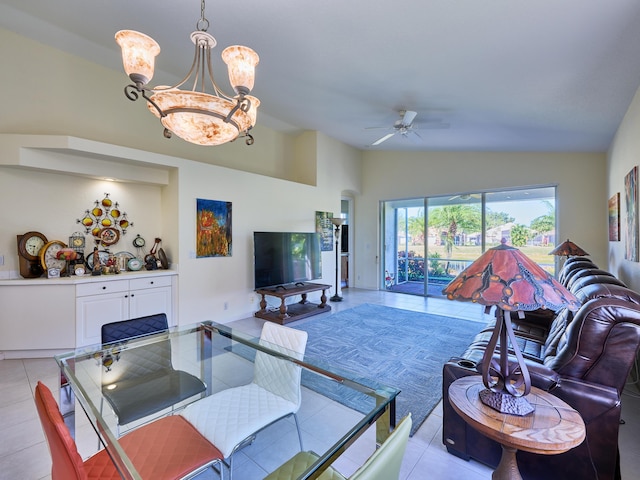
pixel 168 448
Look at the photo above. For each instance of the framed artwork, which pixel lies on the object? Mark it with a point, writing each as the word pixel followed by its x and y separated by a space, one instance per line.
pixel 614 218
pixel 325 228
pixel 213 228
pixel 631 200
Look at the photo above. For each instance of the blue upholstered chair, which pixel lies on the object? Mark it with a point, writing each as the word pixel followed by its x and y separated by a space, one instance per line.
pixel 146 380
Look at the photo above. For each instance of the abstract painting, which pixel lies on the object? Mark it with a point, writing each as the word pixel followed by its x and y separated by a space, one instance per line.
pixel 213 228
pixel 614 218
pixel 631 197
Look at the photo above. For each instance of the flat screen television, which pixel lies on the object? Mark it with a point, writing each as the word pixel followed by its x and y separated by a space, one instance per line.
pixel 282 258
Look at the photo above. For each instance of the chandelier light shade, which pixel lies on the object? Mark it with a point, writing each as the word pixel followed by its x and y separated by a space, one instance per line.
pixel 241 62
pixel 204 115
pixel 506 278
pixel 568 249
pixel 139 52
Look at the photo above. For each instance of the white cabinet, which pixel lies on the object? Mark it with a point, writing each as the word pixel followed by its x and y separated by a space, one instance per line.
pixel 148 296
pixel 109 301
pixel 36 319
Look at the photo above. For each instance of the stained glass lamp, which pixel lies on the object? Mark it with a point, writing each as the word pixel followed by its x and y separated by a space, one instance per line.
pixel 506 278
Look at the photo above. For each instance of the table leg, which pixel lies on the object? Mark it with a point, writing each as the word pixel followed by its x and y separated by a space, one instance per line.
pixel 263 304
pixel 508 467
pixel 283 309
pixel 323 299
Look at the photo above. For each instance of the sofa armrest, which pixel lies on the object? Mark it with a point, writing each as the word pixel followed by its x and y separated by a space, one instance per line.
pixel 591 400
pixel 542 377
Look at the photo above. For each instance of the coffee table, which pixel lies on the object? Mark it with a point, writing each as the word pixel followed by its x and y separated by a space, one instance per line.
pixel 552 428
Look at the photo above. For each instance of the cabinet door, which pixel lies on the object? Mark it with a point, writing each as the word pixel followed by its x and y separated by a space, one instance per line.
pixel 150 301
pixel 93 311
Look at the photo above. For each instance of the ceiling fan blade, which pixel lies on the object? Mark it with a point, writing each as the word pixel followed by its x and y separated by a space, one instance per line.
pixel 380 140
pixel 408 117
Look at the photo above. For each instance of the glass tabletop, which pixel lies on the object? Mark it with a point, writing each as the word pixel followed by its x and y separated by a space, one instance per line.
pixel 221 358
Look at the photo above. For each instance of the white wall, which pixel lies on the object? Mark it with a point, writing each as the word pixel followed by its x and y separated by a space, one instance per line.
pixel 51 204
pixel 259 204
pixel 623 155
pixel 582 200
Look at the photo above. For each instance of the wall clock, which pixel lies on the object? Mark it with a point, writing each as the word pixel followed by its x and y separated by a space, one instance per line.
pixel 138 242
pixel 48 256
pixel 29 246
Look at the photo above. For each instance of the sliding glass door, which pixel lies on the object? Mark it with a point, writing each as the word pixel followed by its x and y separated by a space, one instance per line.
pixel 403 246
pixel 454 226
pixel 428 241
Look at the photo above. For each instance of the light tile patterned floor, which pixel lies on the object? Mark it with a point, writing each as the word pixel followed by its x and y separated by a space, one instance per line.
pixel 24 453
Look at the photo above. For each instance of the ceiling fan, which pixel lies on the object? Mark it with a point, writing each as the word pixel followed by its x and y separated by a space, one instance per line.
pixel 405 127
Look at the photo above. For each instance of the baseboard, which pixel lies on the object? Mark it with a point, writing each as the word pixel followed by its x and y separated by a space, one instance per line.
pixel 23 354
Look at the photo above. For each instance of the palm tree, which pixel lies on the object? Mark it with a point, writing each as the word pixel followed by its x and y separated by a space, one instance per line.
pixel 545 223
pixel 454 218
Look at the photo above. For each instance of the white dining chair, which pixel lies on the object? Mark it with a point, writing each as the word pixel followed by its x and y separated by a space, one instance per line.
pixel 230 419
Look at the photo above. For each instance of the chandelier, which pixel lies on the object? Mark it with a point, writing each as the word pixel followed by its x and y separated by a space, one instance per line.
pixel 194 115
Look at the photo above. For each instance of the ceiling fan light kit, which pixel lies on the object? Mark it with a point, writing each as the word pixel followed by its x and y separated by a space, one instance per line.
pixel 194 115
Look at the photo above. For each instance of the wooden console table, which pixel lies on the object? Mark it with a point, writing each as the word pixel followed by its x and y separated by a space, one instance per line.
pixel 554 427
pixel 295 311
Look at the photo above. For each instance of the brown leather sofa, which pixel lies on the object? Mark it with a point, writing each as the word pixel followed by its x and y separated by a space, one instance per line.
pixel 583 358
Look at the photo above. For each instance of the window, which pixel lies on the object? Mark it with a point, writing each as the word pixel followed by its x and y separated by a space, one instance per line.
pixel 428 241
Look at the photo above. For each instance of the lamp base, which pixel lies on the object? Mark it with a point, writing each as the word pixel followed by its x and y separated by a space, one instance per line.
pixel 504 402
pixel 336 298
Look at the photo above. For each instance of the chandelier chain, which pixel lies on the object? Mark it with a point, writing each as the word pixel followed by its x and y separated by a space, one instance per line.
pixel 203 23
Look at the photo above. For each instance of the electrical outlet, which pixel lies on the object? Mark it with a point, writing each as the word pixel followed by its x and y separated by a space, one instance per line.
pixel 1 260
pixel 226 305
pixel 252 298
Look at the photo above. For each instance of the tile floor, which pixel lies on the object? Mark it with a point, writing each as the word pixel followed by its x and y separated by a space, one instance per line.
pixel 24 453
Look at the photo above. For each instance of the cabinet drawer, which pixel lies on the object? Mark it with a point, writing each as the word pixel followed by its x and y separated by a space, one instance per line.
pixel 150 282
pixel 97 288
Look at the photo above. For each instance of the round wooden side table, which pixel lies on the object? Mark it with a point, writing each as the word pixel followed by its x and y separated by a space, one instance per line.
pixel 553 427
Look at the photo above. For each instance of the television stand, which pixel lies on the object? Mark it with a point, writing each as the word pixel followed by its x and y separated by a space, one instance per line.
pixel 295 311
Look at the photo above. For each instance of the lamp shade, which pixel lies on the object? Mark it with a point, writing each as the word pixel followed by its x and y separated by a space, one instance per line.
pixel 568 249
pixel 198 117
pixel 139 52
pixel 241 62
pixel 505 277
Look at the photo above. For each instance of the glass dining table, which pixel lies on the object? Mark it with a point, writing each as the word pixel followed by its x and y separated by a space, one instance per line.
pixel 337 407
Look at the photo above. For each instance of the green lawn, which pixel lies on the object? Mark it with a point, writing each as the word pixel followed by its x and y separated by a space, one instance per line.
pixel 540 255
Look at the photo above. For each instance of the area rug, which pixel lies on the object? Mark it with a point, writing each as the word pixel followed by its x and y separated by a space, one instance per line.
pixel 399 348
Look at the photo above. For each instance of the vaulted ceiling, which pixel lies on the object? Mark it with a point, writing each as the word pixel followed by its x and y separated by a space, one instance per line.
pixel 491 75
